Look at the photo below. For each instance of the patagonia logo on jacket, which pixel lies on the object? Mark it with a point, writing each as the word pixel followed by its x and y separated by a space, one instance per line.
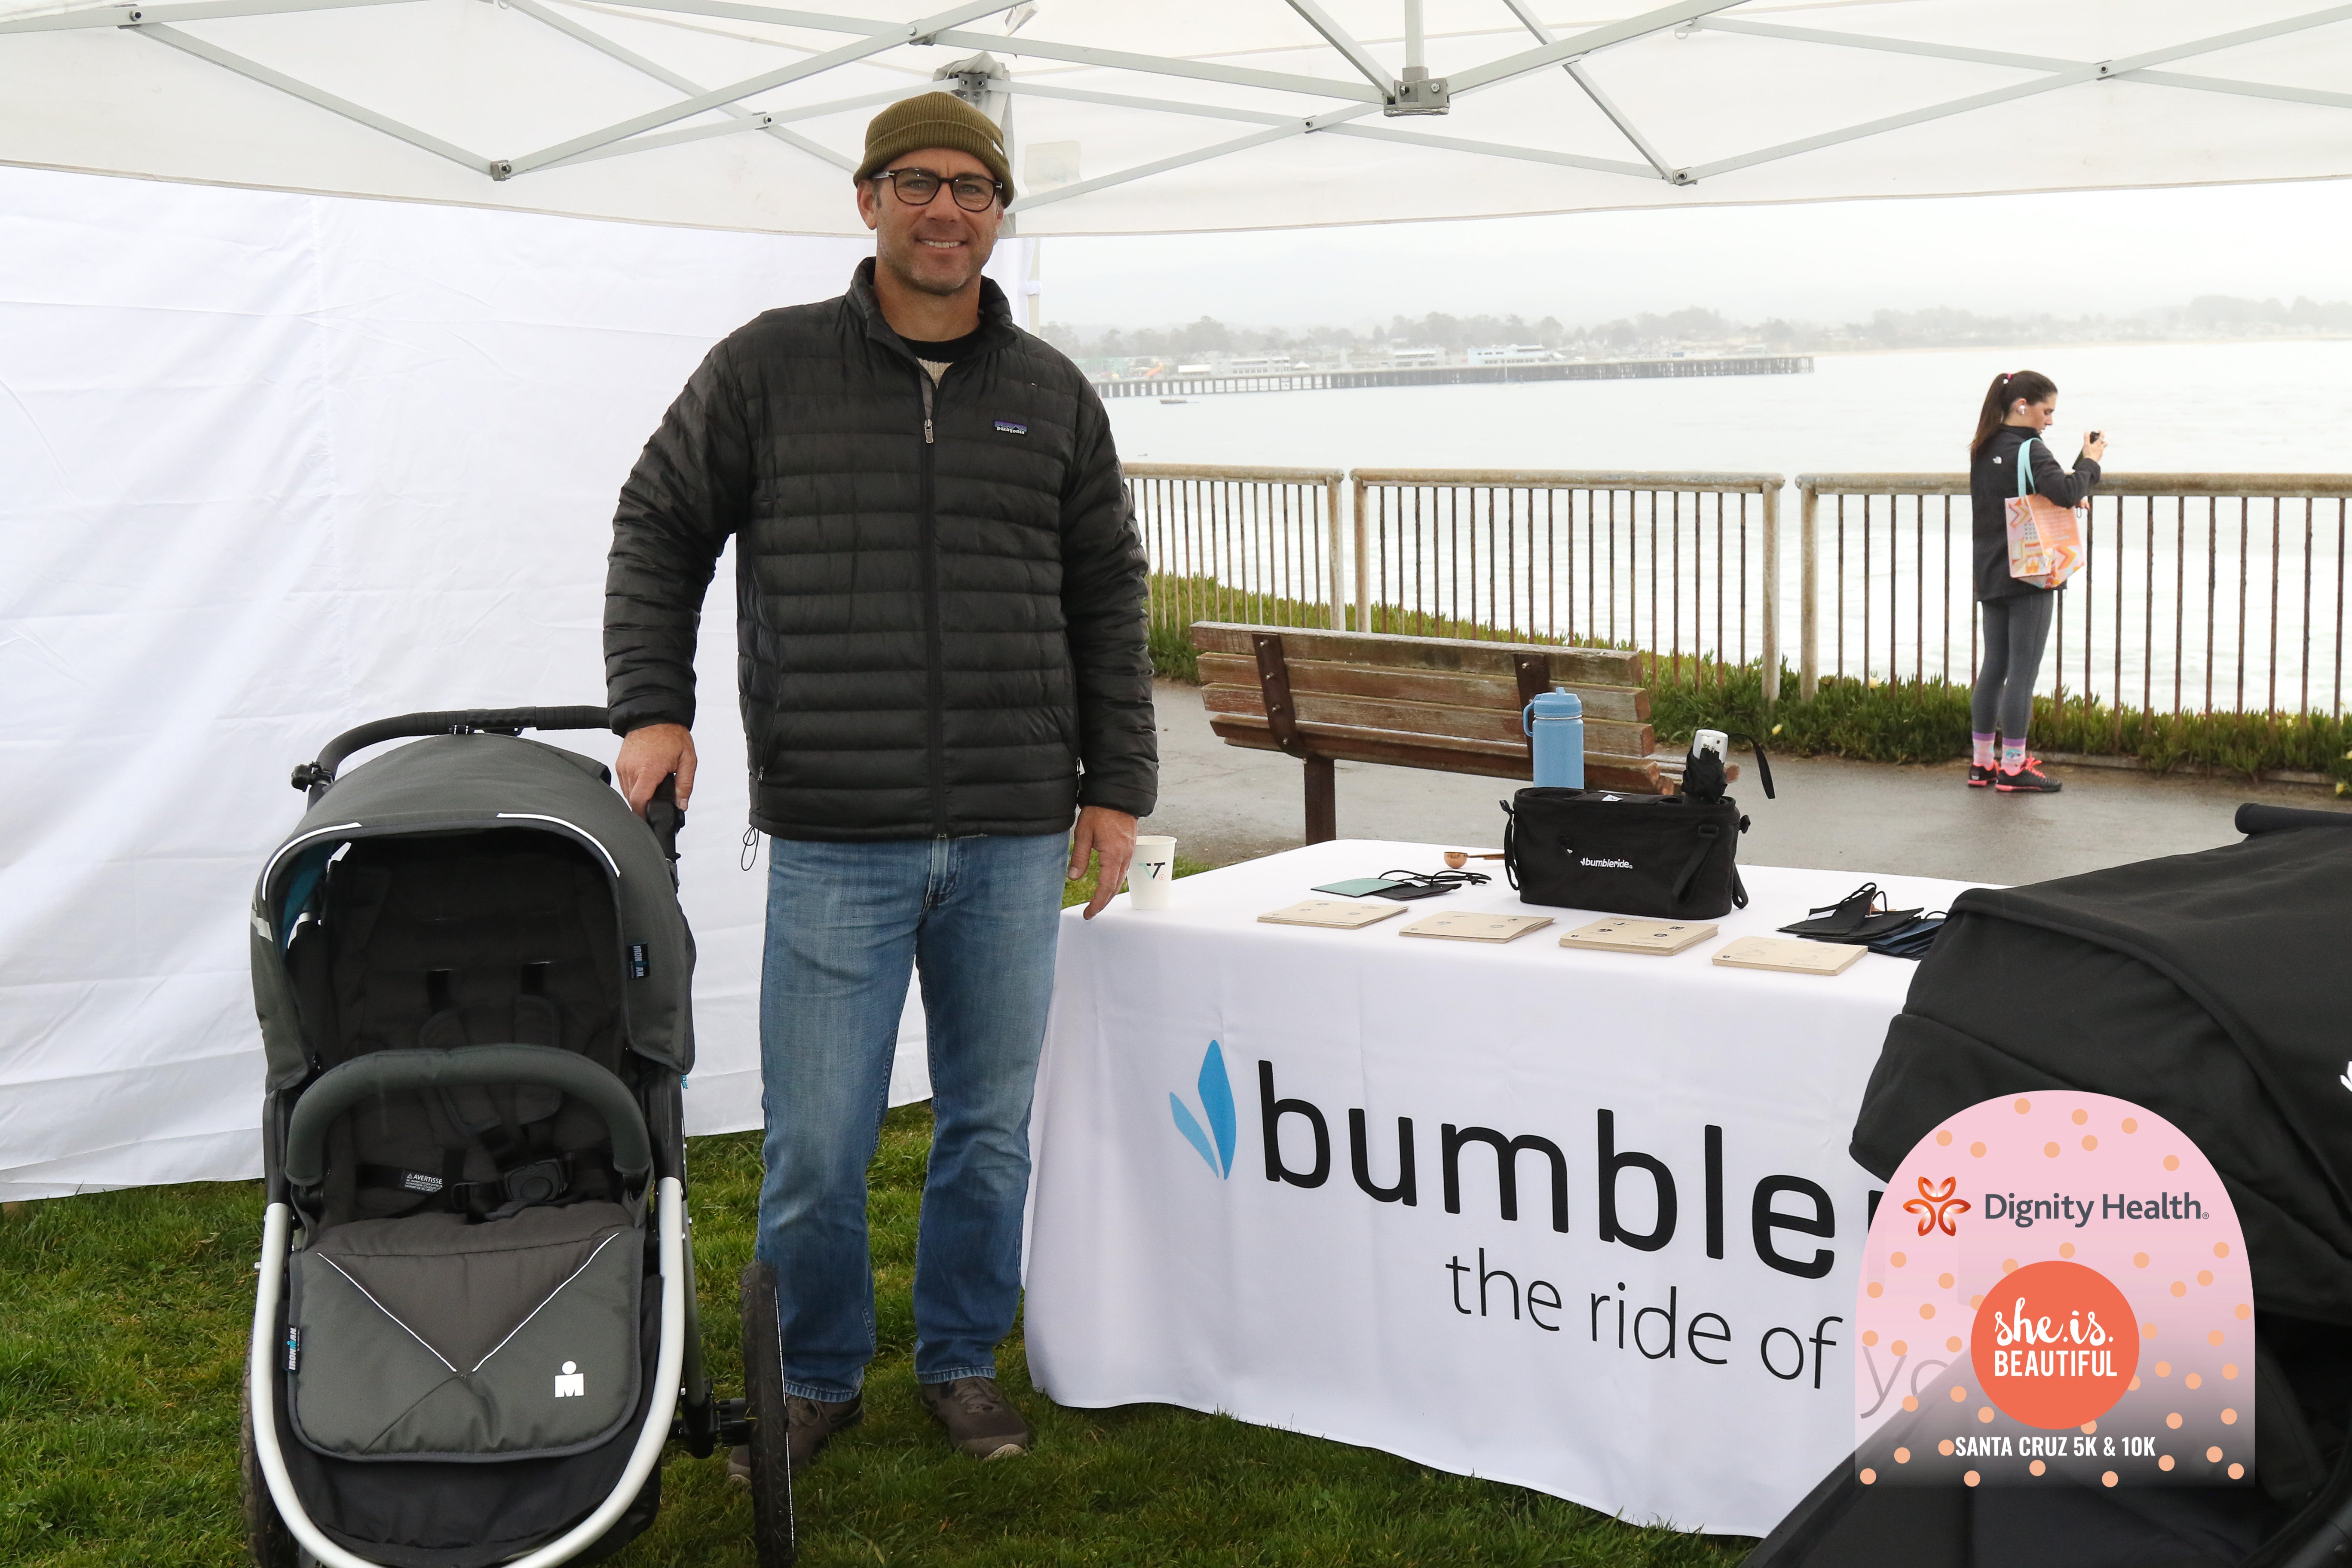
pixel 1010 428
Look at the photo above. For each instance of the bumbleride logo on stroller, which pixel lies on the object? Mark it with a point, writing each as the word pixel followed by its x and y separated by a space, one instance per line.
pixel 1618 865
pixel 570 1382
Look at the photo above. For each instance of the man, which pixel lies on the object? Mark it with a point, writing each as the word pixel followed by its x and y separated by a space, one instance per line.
pixel 939 597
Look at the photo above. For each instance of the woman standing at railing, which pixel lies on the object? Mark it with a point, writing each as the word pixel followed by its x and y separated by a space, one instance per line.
pixel 2018 408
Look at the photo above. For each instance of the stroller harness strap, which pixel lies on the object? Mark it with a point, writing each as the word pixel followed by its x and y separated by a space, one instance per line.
pixel 541 1180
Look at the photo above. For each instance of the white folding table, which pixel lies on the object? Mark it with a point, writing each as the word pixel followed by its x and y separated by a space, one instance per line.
pixel 1659 1329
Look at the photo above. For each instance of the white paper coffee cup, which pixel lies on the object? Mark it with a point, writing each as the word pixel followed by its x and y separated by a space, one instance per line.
pixel 1150 872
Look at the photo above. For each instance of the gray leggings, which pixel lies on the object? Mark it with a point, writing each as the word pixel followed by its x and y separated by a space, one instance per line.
pixel 2015 632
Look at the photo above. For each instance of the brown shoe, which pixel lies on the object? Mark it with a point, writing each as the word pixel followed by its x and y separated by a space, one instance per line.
pixel 980 1420
pixel 809 1425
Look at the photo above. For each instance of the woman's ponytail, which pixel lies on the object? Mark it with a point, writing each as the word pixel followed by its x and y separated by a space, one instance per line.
pixel 2002 396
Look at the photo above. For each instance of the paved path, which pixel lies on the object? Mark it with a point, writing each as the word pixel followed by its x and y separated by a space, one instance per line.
pixel 1224 804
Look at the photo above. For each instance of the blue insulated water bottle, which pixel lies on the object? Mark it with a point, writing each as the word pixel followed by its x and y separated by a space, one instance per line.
pixel 1554 722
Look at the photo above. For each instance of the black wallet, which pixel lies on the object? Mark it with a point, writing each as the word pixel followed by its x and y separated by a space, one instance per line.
pixel 1382 888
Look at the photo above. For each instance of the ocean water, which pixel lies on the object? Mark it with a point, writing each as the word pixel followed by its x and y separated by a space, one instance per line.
pixel 2189 606
pixel 2265 407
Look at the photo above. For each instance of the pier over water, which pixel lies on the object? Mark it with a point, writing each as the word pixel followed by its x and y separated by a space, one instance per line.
pixel 1199 384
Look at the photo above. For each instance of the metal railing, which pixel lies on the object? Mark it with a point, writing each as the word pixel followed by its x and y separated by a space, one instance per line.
pixel 2197 591
pixel 1241 545
pixel 1685 565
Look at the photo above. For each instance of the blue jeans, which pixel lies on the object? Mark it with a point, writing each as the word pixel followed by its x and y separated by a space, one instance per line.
pixel 846 925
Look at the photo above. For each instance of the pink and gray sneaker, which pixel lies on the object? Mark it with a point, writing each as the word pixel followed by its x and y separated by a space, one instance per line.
pixel 2027 780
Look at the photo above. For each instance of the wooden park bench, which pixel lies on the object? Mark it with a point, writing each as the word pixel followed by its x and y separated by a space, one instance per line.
pixel 1446 703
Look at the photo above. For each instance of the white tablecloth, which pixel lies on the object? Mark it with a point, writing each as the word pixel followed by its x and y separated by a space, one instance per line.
pixel 1157 1273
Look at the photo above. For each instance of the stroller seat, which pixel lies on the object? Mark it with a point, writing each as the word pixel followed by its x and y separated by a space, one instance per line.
pixel 445 943
pixel 442 1333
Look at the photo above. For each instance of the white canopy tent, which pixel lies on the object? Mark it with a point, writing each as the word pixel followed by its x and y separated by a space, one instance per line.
pixel 1138 116
pixel 278 463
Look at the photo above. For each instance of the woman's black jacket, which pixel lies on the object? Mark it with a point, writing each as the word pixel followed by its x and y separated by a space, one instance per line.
pixel 1992 483
pixel 938 590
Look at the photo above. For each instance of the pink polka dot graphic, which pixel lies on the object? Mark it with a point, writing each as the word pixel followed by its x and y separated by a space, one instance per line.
pixel 1952 1367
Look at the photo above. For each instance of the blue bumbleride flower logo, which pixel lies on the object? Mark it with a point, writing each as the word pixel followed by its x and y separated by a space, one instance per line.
pixel 1217 1104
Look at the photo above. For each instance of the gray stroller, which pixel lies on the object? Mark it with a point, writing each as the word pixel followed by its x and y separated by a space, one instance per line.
pixel 476 1326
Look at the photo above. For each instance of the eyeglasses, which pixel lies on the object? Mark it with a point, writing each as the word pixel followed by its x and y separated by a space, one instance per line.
pixel 917 188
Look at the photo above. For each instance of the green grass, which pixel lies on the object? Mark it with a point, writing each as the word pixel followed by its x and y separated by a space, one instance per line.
pixel 123 1318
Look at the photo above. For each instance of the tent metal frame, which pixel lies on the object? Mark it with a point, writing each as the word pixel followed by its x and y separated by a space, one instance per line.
pixel 1347 99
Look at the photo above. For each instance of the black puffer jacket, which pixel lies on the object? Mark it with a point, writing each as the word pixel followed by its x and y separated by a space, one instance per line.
pixel 940 592
pixel 1992 485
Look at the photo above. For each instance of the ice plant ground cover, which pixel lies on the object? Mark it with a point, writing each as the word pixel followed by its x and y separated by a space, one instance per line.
pixel 123 1319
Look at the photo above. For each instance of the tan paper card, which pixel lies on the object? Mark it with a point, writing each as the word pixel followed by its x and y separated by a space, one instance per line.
pixel 1463 925
pixel 1789 957
pixel 1623 933
pixel 1337 914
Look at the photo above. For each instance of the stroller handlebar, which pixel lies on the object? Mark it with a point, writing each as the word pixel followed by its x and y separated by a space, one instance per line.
pixel 315 777
pixel 665 816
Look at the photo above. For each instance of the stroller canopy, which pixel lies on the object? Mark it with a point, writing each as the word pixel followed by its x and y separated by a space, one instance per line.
pixel 2215 989
pixel 472 784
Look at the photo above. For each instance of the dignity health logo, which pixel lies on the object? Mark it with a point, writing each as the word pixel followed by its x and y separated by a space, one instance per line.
pixel 1217 1108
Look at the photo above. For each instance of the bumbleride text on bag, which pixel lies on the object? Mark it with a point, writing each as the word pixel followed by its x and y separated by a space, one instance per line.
pixel 1665 856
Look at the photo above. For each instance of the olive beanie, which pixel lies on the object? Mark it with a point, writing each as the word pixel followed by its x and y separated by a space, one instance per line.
pixel 934 120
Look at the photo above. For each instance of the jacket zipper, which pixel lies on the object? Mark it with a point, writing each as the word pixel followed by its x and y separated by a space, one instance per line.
pixel 934 658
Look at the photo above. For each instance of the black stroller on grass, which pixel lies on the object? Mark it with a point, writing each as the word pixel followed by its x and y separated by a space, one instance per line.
pixel 476 1328
pixel 2215 989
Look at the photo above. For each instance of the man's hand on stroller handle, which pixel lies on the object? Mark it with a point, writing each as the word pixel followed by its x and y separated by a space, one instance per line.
pixel 651 755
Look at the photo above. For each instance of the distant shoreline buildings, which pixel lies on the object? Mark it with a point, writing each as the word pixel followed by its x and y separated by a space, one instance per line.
pixel 1208 347
pixel 1121 367
pixel 1141 376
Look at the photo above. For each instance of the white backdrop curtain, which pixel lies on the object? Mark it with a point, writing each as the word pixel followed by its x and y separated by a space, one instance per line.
pixel 275 465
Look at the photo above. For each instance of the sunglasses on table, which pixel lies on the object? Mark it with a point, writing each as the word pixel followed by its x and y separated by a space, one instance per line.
pixel 917 188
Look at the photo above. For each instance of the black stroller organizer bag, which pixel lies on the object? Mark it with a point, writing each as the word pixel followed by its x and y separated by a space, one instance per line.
pixel 1672 857
pixel 1668 856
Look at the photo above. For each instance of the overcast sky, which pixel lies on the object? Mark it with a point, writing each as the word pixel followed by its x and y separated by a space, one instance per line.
pixel 2114 251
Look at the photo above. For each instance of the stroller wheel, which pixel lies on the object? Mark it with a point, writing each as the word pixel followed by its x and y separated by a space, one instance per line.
pixel 763 1389
pixel 266 1536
